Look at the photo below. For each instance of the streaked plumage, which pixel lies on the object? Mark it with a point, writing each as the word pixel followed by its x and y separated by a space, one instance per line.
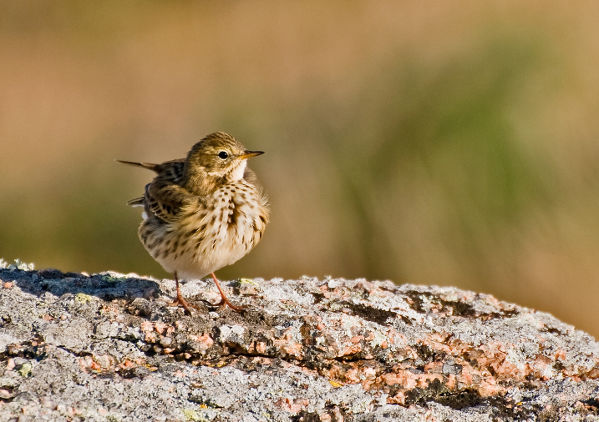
pixel 203 212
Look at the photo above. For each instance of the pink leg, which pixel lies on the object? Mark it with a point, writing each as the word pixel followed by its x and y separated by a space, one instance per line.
pixel 225 300
pixel 180 299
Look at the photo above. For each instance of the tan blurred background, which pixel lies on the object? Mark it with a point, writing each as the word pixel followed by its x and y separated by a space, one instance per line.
pixel 454 143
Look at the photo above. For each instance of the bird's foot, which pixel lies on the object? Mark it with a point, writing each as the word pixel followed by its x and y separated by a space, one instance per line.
pixel 224 299
pixel 180 301
pixel 226 302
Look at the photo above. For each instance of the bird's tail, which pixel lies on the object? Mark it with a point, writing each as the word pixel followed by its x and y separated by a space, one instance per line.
pixel 137 202
pixel 149 166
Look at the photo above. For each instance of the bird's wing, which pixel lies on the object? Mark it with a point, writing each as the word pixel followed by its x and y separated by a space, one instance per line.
pixel 165 201
pixel 169 172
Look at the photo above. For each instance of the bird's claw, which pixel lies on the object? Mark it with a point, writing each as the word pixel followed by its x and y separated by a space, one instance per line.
pixel 180 301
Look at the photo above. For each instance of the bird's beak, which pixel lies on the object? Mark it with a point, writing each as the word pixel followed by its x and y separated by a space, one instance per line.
pixel 249 154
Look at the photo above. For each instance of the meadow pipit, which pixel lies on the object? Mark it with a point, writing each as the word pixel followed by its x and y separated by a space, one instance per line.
pixel 203 212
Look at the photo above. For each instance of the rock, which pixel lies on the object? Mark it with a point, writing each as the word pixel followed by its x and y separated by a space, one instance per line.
pixel 108 347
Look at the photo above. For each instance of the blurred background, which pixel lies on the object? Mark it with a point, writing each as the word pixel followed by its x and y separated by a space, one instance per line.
pixel 454 143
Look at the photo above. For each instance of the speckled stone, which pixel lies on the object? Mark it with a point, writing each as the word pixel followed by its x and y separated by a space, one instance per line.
pixel 108 347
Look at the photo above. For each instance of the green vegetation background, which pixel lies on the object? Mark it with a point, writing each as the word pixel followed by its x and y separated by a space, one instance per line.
pixel 453 144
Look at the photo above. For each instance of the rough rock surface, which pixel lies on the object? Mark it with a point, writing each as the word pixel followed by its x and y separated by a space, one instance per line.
pixel 108 347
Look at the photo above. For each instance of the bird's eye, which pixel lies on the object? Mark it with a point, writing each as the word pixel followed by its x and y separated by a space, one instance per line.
pixel 223 154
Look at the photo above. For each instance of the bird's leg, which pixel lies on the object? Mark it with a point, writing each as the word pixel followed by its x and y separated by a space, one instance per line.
pixel 180 299
pixel 224 299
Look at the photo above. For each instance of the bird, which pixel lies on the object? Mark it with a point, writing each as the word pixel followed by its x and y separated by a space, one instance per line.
pixel 203 212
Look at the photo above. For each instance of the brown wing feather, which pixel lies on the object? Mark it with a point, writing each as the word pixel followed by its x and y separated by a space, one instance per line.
pixel 160 198
pixel 164 201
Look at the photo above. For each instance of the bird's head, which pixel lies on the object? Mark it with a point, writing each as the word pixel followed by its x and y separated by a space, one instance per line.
pixel 215 159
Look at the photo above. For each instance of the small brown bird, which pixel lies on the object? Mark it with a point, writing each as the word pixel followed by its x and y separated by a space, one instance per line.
pixel 203 212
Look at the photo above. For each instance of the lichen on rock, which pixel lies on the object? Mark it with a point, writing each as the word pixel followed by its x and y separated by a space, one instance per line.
pixel 109 347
